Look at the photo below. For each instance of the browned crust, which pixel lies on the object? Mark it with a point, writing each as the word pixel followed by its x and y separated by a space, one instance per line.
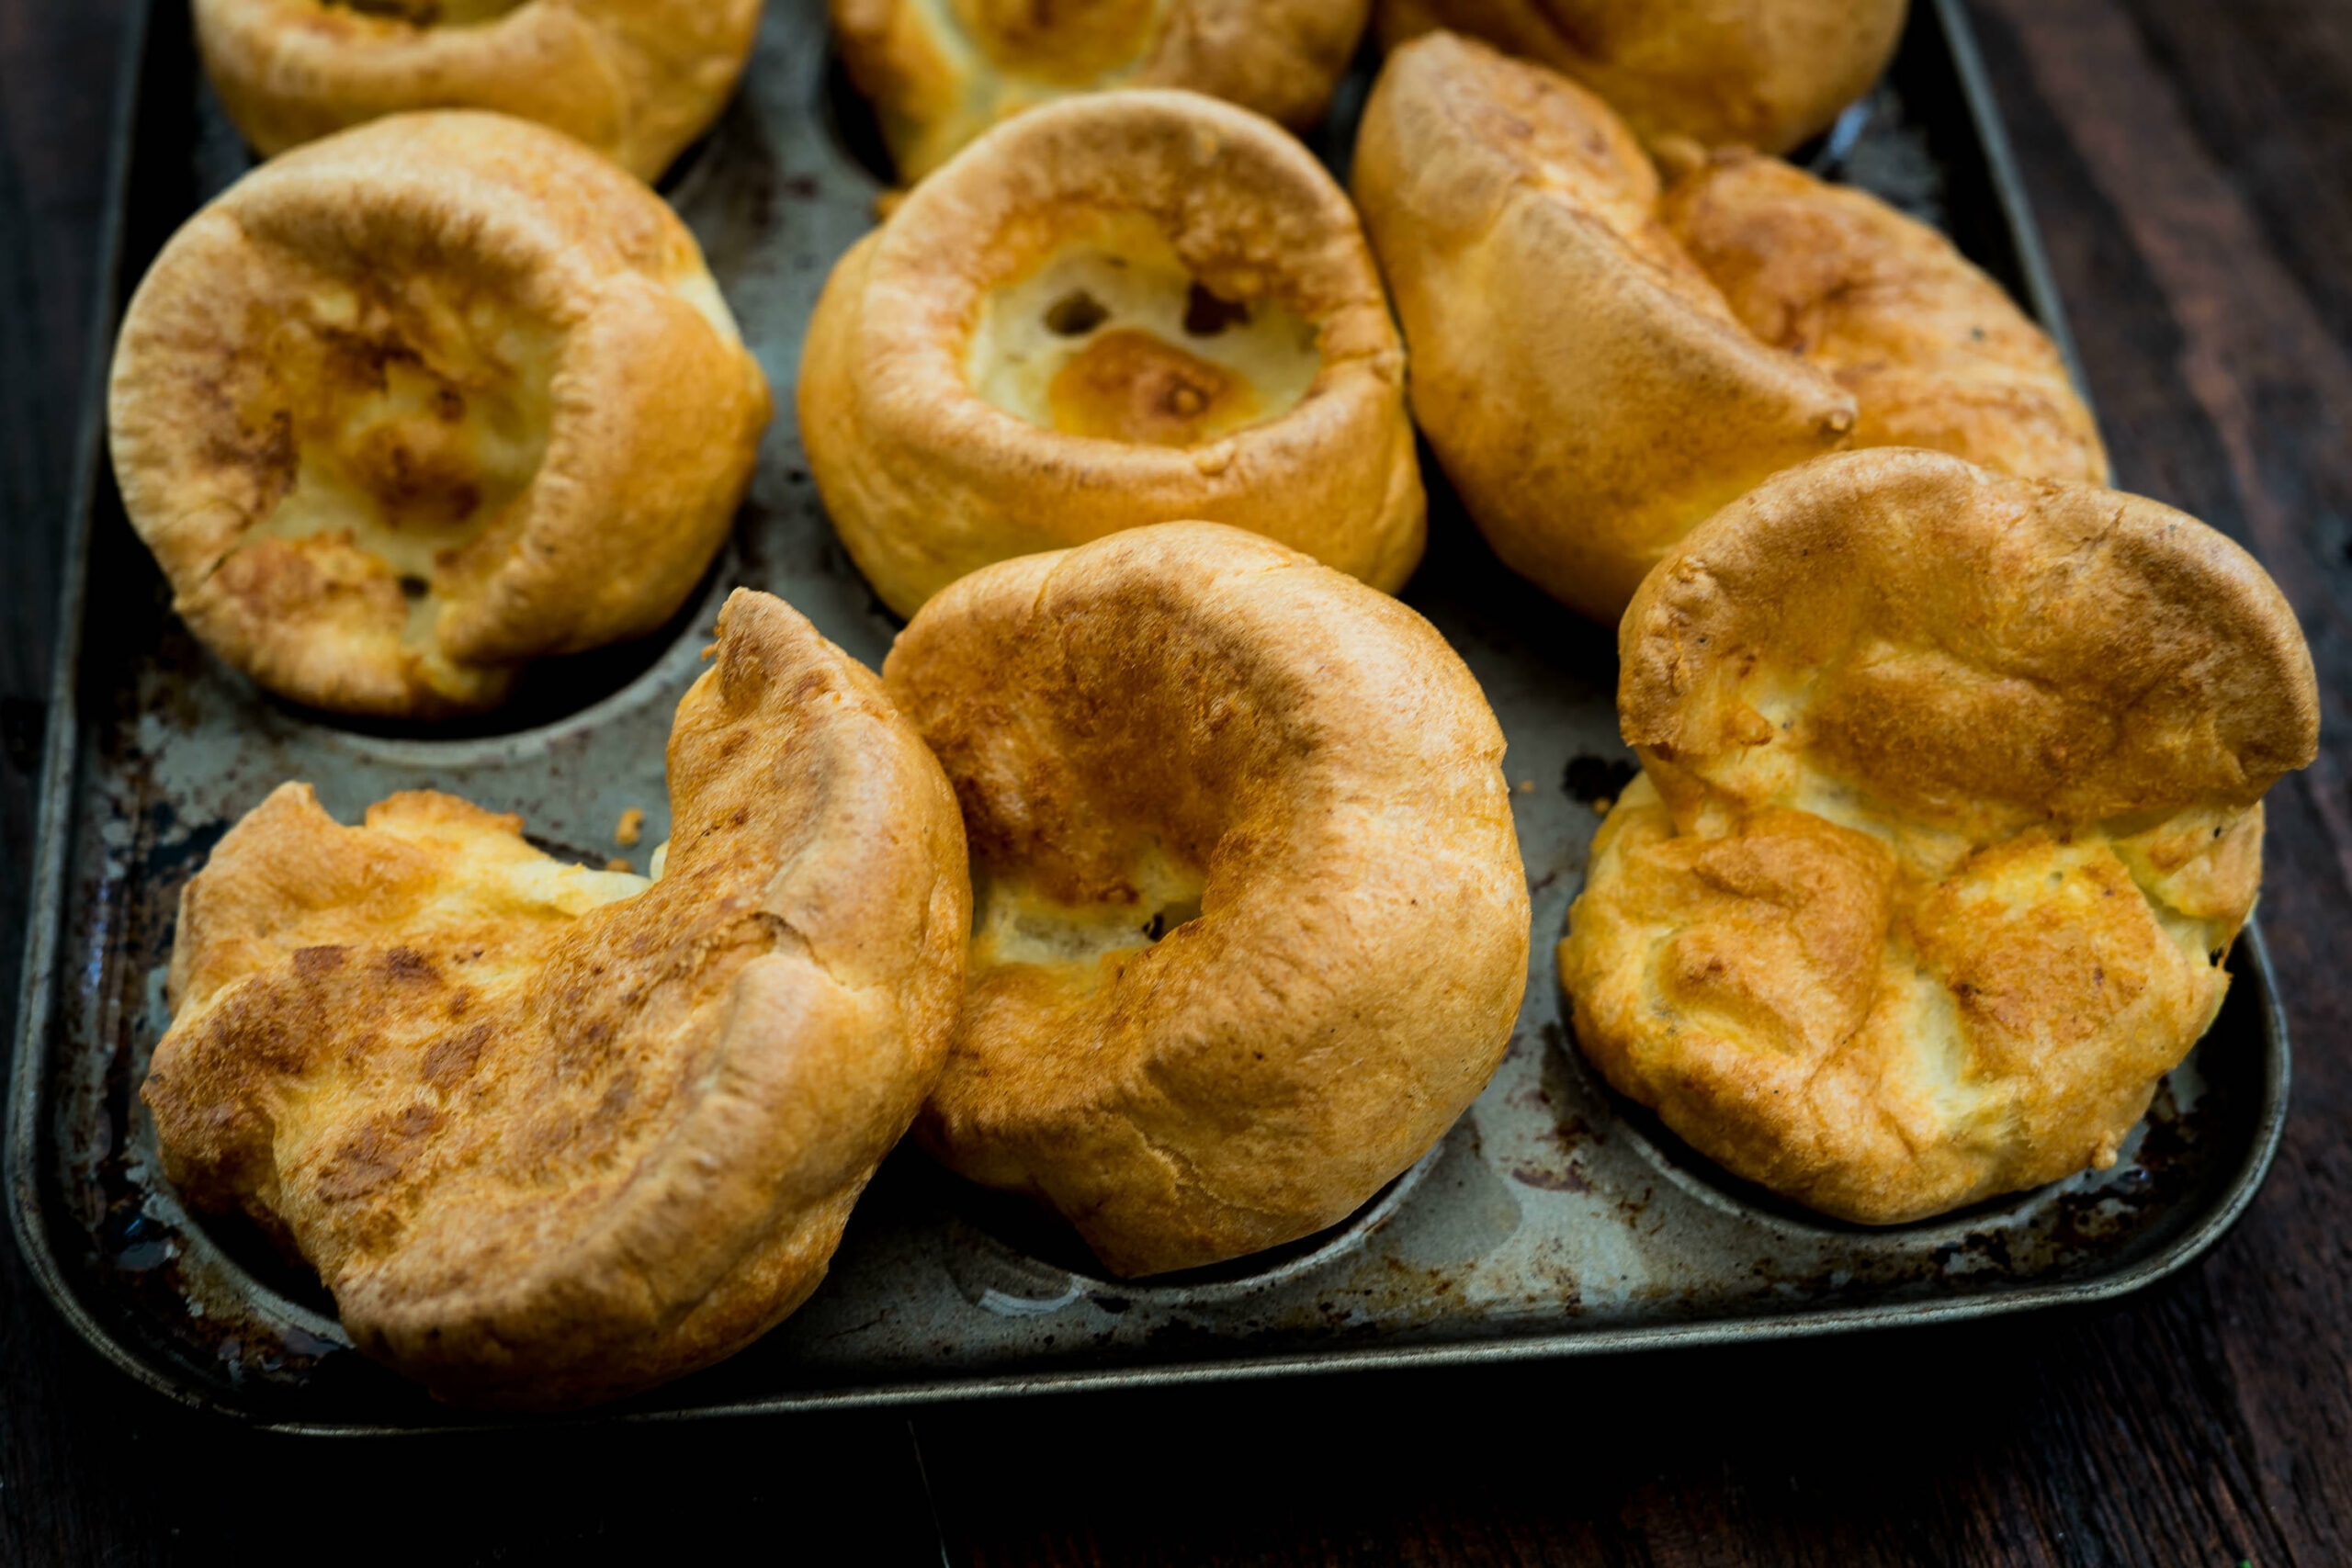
pixel 635 79
pixel 1601 365
pixel 1587 390
pixel 655 407
pixel 545 1161
pixel 1767 73
pixel 926 481
pixel 1933 351
pixel 1279 58
pixel 2074 652
pixel 1320 754
pixel 1950 811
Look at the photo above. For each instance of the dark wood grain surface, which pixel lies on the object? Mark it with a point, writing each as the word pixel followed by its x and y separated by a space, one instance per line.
pixel 2191 165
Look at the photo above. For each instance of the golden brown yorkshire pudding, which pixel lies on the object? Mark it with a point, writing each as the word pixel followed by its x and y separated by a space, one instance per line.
pixel 1250 924
pixel 1123 309
pixel 635 79
pixel 1577 365
pixel 432 398
pixel 1932 350
pixel 1764 73
pixel 942 72
pixel 552 1135
pixel 1950 810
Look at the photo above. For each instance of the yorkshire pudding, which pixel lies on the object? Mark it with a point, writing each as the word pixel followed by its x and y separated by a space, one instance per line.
pixel 1250 924
pixel 1764 73
pixel 1933 352
pixel 1601 367
pixel 941 72
pixel 635 79
pixel 1123 308
pixel 1951 810
pixel 424 400
pixel 552 1135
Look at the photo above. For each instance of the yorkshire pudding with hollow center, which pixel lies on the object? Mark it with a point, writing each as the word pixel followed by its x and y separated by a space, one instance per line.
pixel 635 79
pixel 1250 924
pixel 1951 810
pixel 942 72
pixel 1118 309
pixel 418 403
pixel 552 1135
pixel 1601 365
pixel 1764 73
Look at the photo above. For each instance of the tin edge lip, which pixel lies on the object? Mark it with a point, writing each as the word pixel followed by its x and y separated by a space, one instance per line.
pixel 36 977
pixel 1628 1340
pixel 2244 1186
pixel 2009 188
pixel 37 1001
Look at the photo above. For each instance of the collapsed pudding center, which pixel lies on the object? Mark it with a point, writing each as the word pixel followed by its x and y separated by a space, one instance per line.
pixel 407 425
pixel 1112 337
pixel 1071 925
pixel 1070 42
pixel 432 12
pixel 502 871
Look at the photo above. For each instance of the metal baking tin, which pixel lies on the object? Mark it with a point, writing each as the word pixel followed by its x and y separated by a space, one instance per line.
pixel 1553 1220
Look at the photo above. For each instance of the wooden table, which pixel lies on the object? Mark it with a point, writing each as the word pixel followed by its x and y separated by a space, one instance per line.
pixel 2192 163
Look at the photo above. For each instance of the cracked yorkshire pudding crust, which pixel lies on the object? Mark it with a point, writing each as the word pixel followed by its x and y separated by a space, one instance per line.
pixel 553 1136
pixel 1951 810
pixel 413 405
pixel 942 72
pixel 1224 350
pixel 1601 364
pixel 1764 73
pixel 1250 926
pixel 637 80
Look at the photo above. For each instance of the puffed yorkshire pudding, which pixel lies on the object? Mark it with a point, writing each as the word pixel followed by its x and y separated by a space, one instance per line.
pixel 1123 309
pixel 1764 73
pixel 552 1135
pixel 1250 924
pixel 1577 366
pixel 1934 353
pixel 941 72
pixel 635 79
pixel 1950 810
pixel 424 400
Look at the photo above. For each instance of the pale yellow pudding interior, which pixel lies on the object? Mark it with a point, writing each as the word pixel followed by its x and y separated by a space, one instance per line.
pixel 415 423
pixel 1015 921
pixel 507 873
pixel 1112 338
pixel 1070 42
pixel 990 59
pixel 433 12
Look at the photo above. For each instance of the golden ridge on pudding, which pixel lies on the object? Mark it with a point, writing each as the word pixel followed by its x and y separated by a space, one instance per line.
pixel 941 73
pixel 1762 73
pixel 1601 363
pixel 1950 810
pixel 1224 805
pixel 1934 353
pixel 637 80
pixel 1119 310
pixel 416 404
pixel 553 1136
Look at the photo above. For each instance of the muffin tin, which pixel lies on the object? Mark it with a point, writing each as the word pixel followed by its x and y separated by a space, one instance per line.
pixel 1556 1219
